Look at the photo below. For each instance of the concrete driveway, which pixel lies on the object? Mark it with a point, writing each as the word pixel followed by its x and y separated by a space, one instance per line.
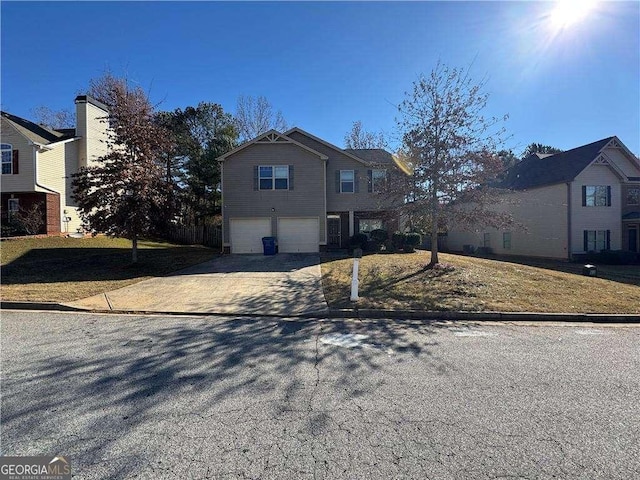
pixel 283 284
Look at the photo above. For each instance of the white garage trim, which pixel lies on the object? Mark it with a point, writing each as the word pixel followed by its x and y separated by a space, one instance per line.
pixel 298 234
pixel 246 234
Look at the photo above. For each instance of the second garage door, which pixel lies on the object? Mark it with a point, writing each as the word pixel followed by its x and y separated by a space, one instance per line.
pixel 298 235
pixel 246 234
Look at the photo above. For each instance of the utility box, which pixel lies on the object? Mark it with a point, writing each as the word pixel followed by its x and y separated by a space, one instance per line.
pixel 590 270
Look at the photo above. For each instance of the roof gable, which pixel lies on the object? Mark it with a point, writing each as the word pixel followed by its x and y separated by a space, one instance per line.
pixel 270 137
pixel 34 132
pixel 562 167
pixel 327 144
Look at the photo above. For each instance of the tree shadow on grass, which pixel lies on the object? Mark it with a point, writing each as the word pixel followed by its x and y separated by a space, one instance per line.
pixel 97 264
pixel 119 399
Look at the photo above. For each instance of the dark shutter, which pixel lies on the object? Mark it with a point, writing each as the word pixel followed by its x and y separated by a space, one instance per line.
pixel 356 186
pixel 608 239
pixel 584 195
pixel 16 163
pixel 255 178
pixel 608 195
pixel 586 239
pixel 369 181
pixel 337 181
pixel 290 177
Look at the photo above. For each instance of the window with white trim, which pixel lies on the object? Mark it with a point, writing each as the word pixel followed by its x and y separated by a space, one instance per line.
pixel 347 181
pixel 596 196
pixel 273 177
pixel 367 225
pixel 633 196
pixel 7 158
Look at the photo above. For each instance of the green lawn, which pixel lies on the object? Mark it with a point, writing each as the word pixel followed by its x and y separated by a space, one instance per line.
pixel 61 269
pixel 399 281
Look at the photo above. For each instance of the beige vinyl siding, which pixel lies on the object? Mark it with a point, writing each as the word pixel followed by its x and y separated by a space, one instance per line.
pixel 336 202
pixel 596 218
pixel 307 199
pixel 93 130
pixel 542 212
pixel 24 181
pixel 625 165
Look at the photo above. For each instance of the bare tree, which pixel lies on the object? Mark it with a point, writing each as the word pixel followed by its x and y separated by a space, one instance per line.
pixel 359 138
pixel 127 193
pixel 451 147
pixel 31 219
pixel 54 119
pixel 255 116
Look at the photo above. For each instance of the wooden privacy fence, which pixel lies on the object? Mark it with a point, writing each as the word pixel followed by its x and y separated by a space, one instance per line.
pixel 207 235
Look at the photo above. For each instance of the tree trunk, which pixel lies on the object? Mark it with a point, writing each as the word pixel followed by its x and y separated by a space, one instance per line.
pixel 434 228
pixel 134 249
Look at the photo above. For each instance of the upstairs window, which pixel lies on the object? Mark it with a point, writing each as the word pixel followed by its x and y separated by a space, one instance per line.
pixel 633 196
pixel 274 177
pixel 347 181
pixel 7 159
pixel 596 196
pixel 378 181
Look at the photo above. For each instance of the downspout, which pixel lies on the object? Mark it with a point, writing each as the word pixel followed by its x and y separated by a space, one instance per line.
pixel 222 205
pixel 569 236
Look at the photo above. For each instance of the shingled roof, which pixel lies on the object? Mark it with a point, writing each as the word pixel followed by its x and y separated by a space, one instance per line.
pixel 37 133
pixel 562 167
pixel 372 155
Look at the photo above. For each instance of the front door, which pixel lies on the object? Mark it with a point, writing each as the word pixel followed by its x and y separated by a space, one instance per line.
pixel 333 232
pixel 633 239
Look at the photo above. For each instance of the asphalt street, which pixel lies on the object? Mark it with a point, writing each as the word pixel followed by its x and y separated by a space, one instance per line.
pixel 154 397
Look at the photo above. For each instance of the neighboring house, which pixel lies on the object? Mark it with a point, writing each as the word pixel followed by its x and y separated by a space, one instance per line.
pixel 37 163
pixel 307 193
pixel 570 203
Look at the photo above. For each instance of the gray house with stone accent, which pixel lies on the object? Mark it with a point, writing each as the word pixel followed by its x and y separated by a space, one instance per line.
pixel 306 192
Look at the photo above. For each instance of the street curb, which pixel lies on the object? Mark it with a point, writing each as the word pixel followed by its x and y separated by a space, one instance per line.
pixel 362 314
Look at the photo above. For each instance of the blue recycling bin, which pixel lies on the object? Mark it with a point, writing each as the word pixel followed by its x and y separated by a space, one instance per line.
pixel 269 245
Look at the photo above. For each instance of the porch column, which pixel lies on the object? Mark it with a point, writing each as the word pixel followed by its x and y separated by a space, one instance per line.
pixel 351 224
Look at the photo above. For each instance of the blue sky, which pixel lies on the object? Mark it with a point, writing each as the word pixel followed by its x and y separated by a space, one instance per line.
pixel 326 65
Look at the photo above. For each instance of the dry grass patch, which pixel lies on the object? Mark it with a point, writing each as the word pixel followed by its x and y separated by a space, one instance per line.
pixel 399 281
pixel 57 269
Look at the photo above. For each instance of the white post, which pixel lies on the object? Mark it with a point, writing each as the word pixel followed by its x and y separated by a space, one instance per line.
pixel 354 280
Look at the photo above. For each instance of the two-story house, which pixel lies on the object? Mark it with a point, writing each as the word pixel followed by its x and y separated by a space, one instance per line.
pixel 306 192
pixel 37 163
pixel 581 200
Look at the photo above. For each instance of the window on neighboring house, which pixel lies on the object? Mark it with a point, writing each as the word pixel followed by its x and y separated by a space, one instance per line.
pixel 273 177
pixel 633 196
pixel 366 225
pixel 7 159
pixel 13 206
pixel 378 181
pixel 486 240
pixel 506 240
pixel 347 181
pixel 596 240
pixel 596 196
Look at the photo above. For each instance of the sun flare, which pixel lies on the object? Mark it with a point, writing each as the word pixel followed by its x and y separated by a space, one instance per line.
pixel 570 12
